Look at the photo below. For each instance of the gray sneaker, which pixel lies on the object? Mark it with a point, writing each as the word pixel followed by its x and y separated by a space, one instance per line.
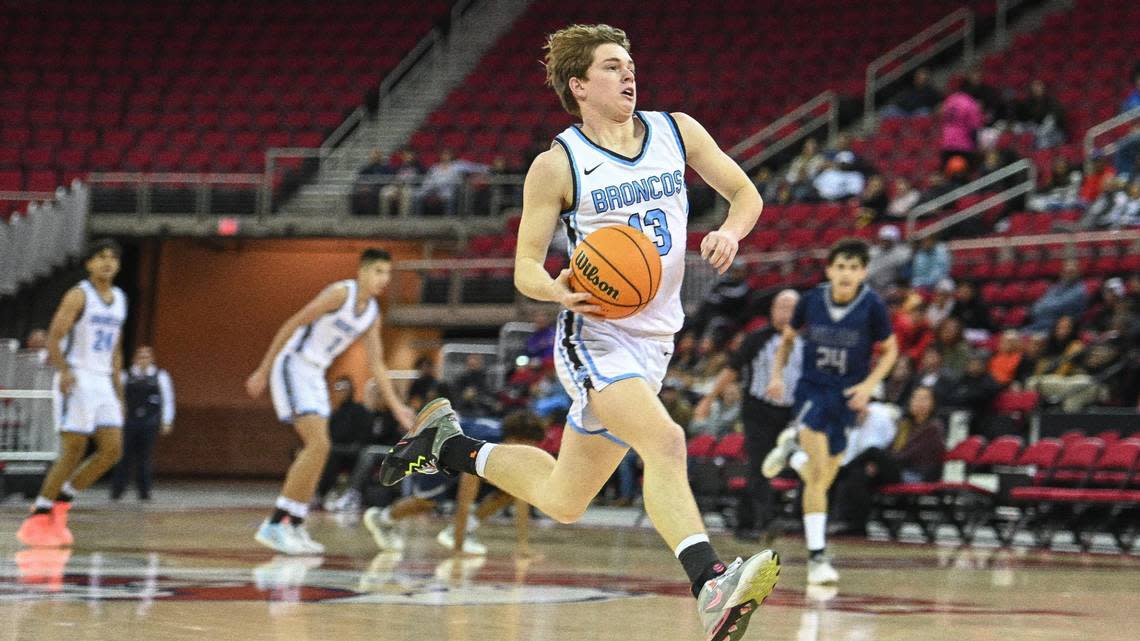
pixel 727 602
pixel 777 459
pixel 418 452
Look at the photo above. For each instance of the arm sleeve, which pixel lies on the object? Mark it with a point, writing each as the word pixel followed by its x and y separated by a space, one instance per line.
pixel 167 389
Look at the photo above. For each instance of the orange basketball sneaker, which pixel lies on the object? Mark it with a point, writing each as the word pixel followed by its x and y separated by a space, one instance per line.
pixel 38 530
pixel 59 511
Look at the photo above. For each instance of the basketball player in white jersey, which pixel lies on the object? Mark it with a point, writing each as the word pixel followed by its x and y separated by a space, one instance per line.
pixel 84 348
pixel 294 368
pixel 618 167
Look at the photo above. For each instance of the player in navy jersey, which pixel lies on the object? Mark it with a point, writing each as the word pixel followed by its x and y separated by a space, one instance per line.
pixel 841 322
pixel 619 166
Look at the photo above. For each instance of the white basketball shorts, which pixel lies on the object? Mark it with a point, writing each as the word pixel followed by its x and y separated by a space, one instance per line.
pixel 592 355
pixel 298 387
pixel 91 404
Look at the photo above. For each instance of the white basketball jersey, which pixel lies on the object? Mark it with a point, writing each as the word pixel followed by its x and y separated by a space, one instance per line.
pixel 90 345
pixel 646 192
pixel 327 337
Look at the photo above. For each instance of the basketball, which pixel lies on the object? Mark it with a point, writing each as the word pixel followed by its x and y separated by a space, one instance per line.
pixel 620 266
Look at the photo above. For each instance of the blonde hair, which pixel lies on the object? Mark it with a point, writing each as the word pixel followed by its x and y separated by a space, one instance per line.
pixel 569 54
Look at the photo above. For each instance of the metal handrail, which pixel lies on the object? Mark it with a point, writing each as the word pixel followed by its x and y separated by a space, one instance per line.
pixel 977 185
pixel 1102 128
pixel 1001 19
pixel 875 81
pixel 830 117
pixel 343 130
pixel 407 63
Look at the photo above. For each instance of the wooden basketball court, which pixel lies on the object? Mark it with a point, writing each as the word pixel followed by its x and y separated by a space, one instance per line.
pixel 191 571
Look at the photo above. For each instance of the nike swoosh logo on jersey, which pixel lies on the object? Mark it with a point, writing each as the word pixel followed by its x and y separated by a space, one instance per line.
pixel 591 169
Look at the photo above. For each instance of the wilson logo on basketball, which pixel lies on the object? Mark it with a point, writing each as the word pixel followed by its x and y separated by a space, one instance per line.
pixel 589 272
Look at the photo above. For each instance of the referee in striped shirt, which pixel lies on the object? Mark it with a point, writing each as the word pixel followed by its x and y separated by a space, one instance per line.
pixel 763 417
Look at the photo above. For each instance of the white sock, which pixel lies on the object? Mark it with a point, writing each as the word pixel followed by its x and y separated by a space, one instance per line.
pixel 294 508
pixel 472 523
pixel 481 458
pixel 815 525
pixel 797 460
pixel 43 503
pixel 690 540
pixel 69 489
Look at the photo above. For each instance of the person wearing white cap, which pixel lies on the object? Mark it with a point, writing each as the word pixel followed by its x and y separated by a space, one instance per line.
pixel 931 263
pixel 889 259
pixel 840 179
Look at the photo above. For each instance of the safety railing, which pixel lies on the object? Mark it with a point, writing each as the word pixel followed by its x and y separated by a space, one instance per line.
pixel 1001 19
pixel 27 430
pixel 926 44
pixel 1025 186
pixel 808 118
pixel 1113 125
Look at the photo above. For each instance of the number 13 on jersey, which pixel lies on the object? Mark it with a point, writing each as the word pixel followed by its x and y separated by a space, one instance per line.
pixel 655 219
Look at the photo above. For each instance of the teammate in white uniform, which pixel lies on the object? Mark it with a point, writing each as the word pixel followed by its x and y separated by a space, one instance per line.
pixel 84 346
pixel 618 167
pixel 294 369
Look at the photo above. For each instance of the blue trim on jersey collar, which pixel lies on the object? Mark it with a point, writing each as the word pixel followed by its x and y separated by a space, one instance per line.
pixel 625 160
pixel 677 133
pixel 95 290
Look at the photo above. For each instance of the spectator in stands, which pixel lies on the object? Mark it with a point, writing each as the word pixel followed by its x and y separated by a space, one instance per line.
pixel 1125 212
pixel 920 99
pixel 936 187
pixel 540 344
pixel 839 178
pixel 1128 153
pixel 899 383
pixel 1099 214
pixel 804 168
pixel 941 303
pixel 1108 303
pixel 712 358
pixel 1003 365
pixel 931 263
pixel 961 120
pixel 1101 172
pixel 366 189
pixel 975 390
pixel 36 342
pixel 993 104
pixel 872 202
pixel 903 198
pixel 908 320
pixel 723 414
pixel 766 182
pixel 443 181
pixel 1032 350
pixel 676 405
pixel 1062 189
pixel 1042 114
pixel 929 370
pixel 1132 100
pixel 969 309
pixel 890 259
pixel 915 454
pixel 1067 297
pixel 1062 372
pixel 396 197
pixel 727 304
pixel 994 159
pixel 350 431
pixel 952 347
pixel 427 385
pixel 473 390
pixel 685 357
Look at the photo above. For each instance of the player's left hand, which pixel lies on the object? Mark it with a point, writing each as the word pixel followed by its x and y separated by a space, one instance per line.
pixel 858 397
pixel 405 416
pixel 719 248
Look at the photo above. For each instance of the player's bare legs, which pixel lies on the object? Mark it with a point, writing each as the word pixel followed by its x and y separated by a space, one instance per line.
pixel 109 448
pixel 562 488
pixel 72 447
pixel 305 472
pixel 817 474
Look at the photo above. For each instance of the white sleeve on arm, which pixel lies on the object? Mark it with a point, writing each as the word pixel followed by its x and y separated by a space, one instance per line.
pixel 167 390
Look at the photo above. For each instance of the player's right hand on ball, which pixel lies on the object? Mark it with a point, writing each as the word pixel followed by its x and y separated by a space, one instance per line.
pixel 67 382
pixel 775 391
pixel 577 302
pixel 255 384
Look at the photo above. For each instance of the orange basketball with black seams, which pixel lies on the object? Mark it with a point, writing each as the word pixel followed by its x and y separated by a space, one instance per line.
pixel 620 266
